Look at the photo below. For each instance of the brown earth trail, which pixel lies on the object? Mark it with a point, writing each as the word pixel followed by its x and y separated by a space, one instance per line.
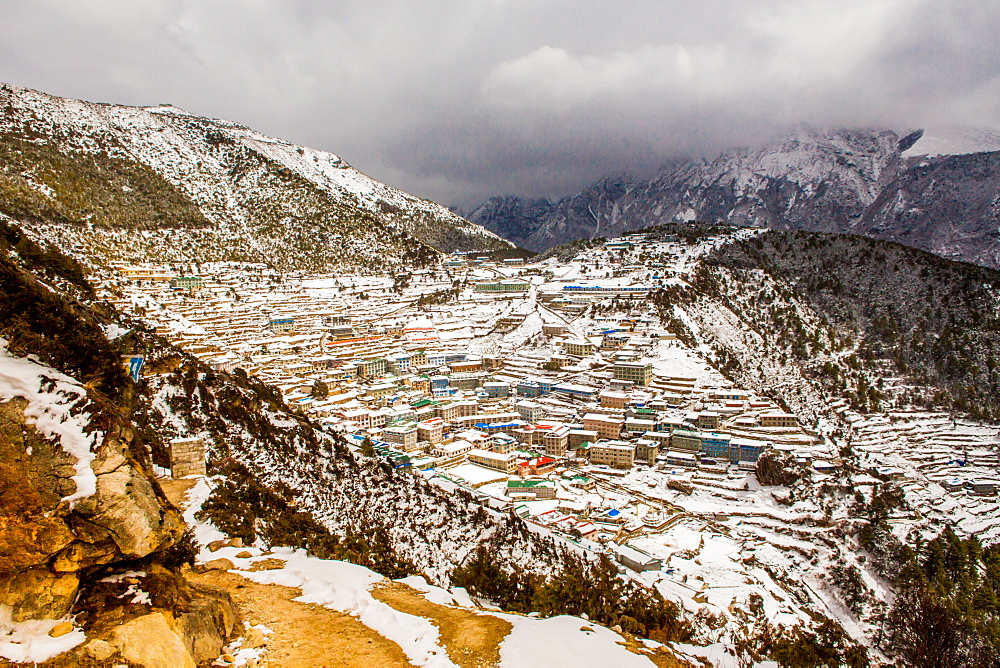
pixel 304 634
pixel 472 640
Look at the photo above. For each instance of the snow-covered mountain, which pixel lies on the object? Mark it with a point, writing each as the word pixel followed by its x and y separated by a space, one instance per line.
pixel 872 182
pixel 159 183
pixel 954 140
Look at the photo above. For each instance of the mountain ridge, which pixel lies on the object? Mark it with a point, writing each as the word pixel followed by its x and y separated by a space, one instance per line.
pixel 872 182
pixel 244 196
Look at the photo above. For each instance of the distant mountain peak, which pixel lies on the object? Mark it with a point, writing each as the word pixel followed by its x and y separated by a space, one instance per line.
pixel 820 179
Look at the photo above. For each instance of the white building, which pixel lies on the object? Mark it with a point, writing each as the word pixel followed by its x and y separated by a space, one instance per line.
pixel 494 460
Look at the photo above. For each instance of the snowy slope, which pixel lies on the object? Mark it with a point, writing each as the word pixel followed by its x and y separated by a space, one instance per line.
pixel 954 140
pixel 556 641
pixel 255 190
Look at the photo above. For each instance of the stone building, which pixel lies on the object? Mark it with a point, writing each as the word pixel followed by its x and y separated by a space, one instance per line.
pixel 187 457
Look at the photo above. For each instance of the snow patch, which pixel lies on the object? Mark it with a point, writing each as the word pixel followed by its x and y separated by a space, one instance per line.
pixel 29 641
pixel 954 140
pixel 561 641
pixel 455 596
pixel 54 403
pixel 113 331
pixel 345 587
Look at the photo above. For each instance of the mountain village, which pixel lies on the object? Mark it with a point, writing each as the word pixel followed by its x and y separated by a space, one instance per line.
pixel 552 391
pixel 735 403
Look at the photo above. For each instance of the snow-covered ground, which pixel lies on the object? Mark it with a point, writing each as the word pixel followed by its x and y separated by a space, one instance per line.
pixel 557 641
pixel 726 541
pixel 30 642
pixel 954 140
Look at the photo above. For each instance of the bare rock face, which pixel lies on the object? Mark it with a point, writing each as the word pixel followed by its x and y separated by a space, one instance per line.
pixel 38 593
pixel 207 622
pixel 44 543
pixel 197 620
pixel 127 508
pixel 681 486
pixel 151 642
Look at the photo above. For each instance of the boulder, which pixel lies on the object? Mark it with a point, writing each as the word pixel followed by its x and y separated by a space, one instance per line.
pixel 151 642
pixel 681 486
pixel 202 617
pixel 254 638
pixel 207 622
pixel 220 564
pixel 127 507
pixel 217 545
pixel 99 650
pixel 26 544
pixel 79 555
pixel 60 629
pixel 269 564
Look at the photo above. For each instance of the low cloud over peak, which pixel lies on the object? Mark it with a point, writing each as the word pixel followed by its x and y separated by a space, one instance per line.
pixel 456 101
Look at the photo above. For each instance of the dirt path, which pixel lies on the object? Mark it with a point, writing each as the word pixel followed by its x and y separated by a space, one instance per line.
pixel 304 635
pixel 661 657
pixel 471 640
pixel 310 636
pixel 176 490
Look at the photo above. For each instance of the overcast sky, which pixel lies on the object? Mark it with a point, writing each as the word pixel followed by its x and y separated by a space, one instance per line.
pixel 457 100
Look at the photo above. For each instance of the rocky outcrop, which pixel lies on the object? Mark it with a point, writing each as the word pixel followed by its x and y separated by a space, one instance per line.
pixel 57 559
pixel 45 544
pixel 152 642
pixel 193 621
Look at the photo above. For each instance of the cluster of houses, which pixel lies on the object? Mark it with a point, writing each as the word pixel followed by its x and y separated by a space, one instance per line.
pixel 577 403
pixel 504 432
pixel 365 361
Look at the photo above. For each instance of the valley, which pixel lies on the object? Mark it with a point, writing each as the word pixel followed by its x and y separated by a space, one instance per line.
pixel 557 391
pixel 259 409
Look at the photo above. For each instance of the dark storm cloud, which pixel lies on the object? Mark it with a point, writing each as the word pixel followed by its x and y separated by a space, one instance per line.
pixel 458 100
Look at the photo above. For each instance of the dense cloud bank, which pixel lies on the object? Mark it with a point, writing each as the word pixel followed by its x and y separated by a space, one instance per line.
pixel 459 100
